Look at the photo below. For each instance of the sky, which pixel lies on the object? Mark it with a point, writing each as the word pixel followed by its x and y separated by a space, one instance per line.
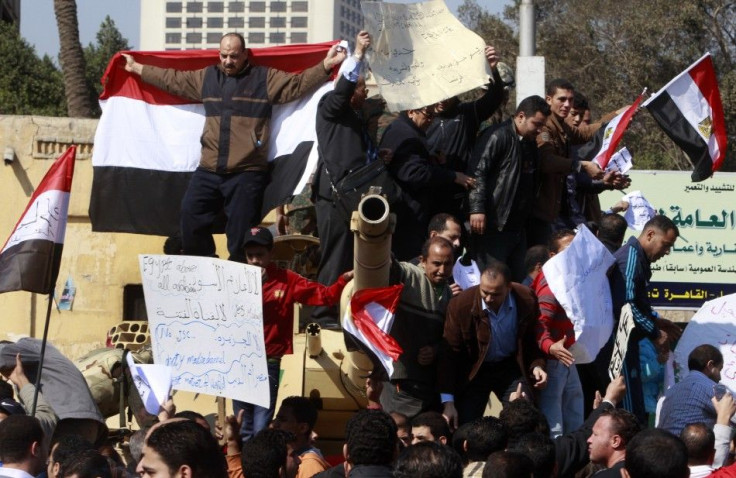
pixel 38 24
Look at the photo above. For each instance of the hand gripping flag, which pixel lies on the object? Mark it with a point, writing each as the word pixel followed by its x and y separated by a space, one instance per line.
pixel 147 142
pixel 613 132
pixel 30 258
pixel 690 112
pixel 369 319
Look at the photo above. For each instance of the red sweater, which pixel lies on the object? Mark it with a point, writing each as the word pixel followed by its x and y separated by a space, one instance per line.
pixel 553 323
pixel 281 290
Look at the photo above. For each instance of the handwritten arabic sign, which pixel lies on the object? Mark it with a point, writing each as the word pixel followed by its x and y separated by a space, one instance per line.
pixel 206 322
pixel 702 264
pixel 44 219
pixel 422 54
pixel 625 326
pixel 577 278
pixel 714 324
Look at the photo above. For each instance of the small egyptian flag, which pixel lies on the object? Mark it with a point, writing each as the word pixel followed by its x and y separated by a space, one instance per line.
pixel 30 258
pixel 690 112
pixel 613 132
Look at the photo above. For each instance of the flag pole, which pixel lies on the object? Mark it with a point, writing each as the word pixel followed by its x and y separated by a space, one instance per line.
pixel 43 352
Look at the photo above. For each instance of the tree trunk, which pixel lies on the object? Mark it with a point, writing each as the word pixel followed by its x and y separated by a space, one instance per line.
pixel 71 58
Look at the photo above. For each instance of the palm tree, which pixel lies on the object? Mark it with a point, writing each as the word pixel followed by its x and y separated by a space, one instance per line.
pixel 71 58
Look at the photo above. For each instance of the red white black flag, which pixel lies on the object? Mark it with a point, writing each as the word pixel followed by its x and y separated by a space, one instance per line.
pixel 369 320
pixel 30 258
pixel 613 132
pixel 690 112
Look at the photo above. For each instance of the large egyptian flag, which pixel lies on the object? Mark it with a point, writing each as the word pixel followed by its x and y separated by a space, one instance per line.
pixel 613 132
pixel 30 258
pixel 690 112
pixel 147 141
pixel 369 319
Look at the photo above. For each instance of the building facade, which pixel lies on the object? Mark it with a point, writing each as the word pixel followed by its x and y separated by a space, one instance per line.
pixel 199 24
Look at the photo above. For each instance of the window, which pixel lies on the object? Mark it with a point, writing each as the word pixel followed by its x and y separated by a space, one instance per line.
pixel 257 22
pixel 256 37
pixel 194 37
pixel 194 22
pixel 173 22
pixel 276 38
pixel 278 22
pixel 299 6
pixel 194 7
pixel 299 38
pixel 214 37
pixel 134 304
pixel 236 22
pixel 215 22
pixel 216 7
pixel 257 6
pixel 173 7
pixel 278 6
pixel 236 7
pixel 299 22
pixel 173 38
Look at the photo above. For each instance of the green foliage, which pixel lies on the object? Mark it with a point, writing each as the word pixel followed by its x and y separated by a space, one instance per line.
pixel 612 50
pixel 109 42
pixel 29 85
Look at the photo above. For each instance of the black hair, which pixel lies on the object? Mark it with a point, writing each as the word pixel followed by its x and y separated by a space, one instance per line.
pixel 496 268
pixel 612 228
pixel 17 435
pixel 188 443
pixel 531 105
pixel 436 423
pixel 237 35
pixel 86 464
pixel 508 464
pixel 656 453
pixel 370 436
pixel 264 455
pixel 558 84
pixel 303 409
pixel 485 435
pixel 661 223
pixel 580 102
pixel 521 417
pixel 541 450
pixel 538 254
pixel 701 355
pixel 428 460
pixel 66 447
pixel 436 240
pixel 190 415
pixel 699 441
pixel 623 423
pixel 556 237
pixel 438 223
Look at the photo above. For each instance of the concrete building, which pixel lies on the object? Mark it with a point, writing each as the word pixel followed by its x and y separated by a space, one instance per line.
pixel 198 24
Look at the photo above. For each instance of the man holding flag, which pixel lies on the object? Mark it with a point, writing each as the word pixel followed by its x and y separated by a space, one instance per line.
pixel 232 172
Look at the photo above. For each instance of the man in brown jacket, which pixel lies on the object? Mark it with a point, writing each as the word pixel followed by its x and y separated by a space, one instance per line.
pixel 555 160
pixel 488 345
pixel 233 172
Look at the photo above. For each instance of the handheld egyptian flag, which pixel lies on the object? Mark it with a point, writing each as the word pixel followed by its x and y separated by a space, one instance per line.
pixel 369 319
pixel 614 131
pixel 147 142
pixel 690 112
pixel 30 258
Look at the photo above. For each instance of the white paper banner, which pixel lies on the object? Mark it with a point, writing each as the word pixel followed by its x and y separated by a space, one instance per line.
pixel 466 276
pixel 153 382
pixel 639 211
pixel 206 323
pixel 577 278
pixel 422 54
pixel 620 162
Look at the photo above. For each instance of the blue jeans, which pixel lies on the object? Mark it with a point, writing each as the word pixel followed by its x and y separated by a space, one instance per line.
pixel 562 400
pixel 257 418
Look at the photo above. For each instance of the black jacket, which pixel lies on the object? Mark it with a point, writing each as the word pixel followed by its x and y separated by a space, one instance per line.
pixel 501 155
pixel 342 146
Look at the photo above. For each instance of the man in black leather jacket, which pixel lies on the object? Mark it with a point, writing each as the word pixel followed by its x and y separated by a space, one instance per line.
pixel 505 177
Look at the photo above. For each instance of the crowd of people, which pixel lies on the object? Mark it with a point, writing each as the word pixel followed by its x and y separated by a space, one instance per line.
pixel 498 198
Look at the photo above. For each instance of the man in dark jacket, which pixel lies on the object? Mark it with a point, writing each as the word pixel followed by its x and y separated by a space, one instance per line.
pixel 419 176
pixel 488 345
pixel 504 194
pixel 233 172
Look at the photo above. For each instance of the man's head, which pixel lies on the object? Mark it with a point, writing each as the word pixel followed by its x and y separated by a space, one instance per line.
pixel 270 454
pixel 508 464
pixel 613 430
pixel 66 447
pixel 700 442
pixel 447 226
pixel 484 436
pixel 560 94
pixel 359 94
pixel 530 116
pixel 422 117
pixel 656 453
pixel 181 449
pixel 430 426
pixel 21 439
pixel 428 460
pixel 298 416
pixel 534 259
pixel 580 111
pixel 541 450
pixel 87 464
pixel 233 54
pixel 658 237
pixel 495 284
pixel 437 259
pixel 370 438
pixel 707 360
pixel 195 417
pixel 612 229
pixel 258 247
pixel 403 428
pixel 560 240
pixel 521 417
pixel 8 407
